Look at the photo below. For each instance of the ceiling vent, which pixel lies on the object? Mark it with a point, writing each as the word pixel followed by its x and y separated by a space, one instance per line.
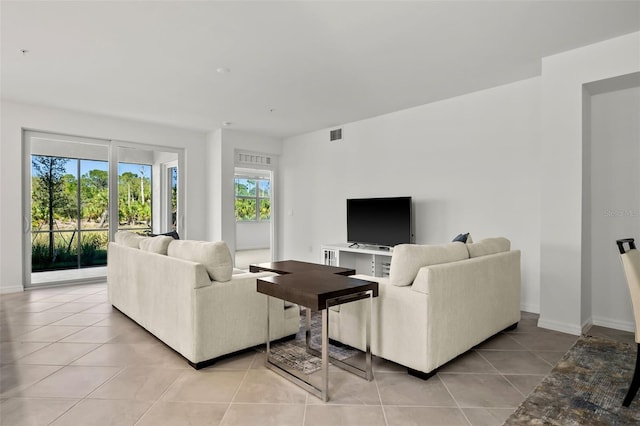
pixel 335 135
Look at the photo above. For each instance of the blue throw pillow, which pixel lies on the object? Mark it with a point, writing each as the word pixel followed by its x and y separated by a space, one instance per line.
pixel 461 238
pixel 173 234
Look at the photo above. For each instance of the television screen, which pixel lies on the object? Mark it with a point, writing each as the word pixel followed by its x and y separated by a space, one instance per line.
pixel 379 221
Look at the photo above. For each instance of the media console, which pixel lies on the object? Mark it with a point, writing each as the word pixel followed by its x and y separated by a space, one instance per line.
pixel 367 260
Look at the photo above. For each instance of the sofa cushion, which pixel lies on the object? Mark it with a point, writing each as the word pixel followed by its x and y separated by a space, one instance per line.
pixel 407 259
pixel 215 257
pixel 489 246
pixel 128 238
pixel 158 244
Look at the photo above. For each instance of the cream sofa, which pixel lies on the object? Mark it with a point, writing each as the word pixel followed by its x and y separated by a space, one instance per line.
pixel 437 303
pixel 185 293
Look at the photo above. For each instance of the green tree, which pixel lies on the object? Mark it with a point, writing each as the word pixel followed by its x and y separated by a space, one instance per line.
pixel 265 209
pixel 95 195
pixel 49 172
pixel 68 205
pixel 134 198
pixel 245 187
pixel 245 209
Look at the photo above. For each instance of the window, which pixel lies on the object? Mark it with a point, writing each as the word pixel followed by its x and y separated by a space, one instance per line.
pixel 173 198
pixel 134 197
pixel 69 213
pixel 253 199
pixel 78 192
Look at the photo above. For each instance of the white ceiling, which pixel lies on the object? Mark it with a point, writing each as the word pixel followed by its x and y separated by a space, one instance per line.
pixel 315 64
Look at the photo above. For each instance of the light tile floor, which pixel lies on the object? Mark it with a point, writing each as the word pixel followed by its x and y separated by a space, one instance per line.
pixel 244 258
pixel 68 358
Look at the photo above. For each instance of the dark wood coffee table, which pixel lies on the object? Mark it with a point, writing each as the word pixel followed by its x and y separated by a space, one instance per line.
pixel 316 287
pixel 295 266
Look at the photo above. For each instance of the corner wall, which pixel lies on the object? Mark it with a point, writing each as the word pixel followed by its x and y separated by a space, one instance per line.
pixel 561 240
pixel 471 164
pixel 615 203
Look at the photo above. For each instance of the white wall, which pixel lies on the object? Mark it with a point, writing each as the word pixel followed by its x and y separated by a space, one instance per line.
pixel 561 142
pixel 15 117
pixel 470 163
pixel 253 235
pixel 615 201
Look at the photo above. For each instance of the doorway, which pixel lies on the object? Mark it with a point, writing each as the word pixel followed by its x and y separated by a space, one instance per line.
pixel 253 213
pixel 611 197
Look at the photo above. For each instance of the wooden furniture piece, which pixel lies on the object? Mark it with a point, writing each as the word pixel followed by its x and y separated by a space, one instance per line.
pixel 631 264
pixel 295 266
pixel 316 287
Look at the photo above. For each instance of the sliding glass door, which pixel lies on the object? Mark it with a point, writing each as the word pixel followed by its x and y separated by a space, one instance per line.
pixel 94 213
pixel 69 213
pixel 80 191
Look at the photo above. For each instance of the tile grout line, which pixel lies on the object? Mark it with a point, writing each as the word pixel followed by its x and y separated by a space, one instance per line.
pixel 306 404
pixel 246 374
pixel 154 403
pixel 384 412
pixel 454 399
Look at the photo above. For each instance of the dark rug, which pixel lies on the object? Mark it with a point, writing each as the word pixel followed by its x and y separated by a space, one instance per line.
pixel 586 387
pixel 293 353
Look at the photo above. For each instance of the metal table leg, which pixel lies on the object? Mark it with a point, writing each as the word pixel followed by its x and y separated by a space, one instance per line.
pixel 299 378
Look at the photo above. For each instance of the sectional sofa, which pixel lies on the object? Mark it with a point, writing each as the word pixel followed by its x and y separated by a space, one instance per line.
pixel 187 294
pixel 438 302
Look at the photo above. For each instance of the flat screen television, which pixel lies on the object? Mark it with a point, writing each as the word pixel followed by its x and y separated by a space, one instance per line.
pixel 379 221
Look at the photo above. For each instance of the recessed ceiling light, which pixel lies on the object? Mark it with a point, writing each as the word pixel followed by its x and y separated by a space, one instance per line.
pixel 223 70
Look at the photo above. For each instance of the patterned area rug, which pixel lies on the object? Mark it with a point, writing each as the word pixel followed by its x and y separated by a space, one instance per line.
pixel 586 387
pixel 293 353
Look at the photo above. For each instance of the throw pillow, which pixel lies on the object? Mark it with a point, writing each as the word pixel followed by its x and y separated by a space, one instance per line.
pixel 172 234
pixel 215 257
pixel 489 246
pixel 461 238
pixel 407 259
pixel 128 238
pixel 158 244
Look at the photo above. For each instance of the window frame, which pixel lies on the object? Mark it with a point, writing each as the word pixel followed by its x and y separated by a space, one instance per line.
pixel 255 197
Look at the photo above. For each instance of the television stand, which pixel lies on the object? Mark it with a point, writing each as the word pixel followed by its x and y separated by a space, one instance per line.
pixel 368 260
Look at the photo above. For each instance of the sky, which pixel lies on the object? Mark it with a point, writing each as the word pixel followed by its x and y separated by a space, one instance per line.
pixel 87 165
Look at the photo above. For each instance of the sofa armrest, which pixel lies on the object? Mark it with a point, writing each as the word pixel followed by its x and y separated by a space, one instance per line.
pixel 229 314
pixel 469 301
pixel 398 327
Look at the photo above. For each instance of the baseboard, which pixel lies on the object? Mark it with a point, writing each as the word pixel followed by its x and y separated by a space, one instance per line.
pixel 586 325
pixel 527 307
pixel 63 283
pixel 13 289
pixel 615 324
pixel 562 327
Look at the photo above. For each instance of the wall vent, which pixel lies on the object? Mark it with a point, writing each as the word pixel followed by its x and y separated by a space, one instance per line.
pixel 335 135
pixel 253 158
